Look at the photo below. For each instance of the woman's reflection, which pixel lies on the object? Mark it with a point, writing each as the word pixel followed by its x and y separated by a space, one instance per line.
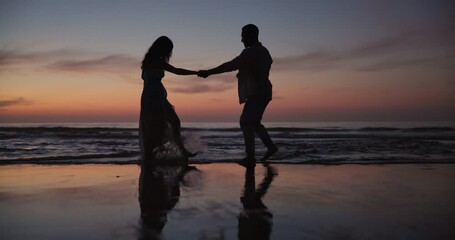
pixel 255 220
pixel 159 192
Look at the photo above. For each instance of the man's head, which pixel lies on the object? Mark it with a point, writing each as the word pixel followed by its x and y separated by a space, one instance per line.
pixel 250 34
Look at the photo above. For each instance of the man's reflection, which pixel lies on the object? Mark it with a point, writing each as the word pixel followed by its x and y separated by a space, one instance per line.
pixel 255 220
pixel 159 192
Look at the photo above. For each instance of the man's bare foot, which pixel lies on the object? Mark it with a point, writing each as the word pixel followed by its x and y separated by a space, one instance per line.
pixel 248 161
pixel 270 151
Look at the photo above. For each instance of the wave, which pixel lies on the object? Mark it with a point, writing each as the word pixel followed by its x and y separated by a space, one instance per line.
pixel 85 158
pixel 414 129
pixel 236 129
pixel 63 129
pixel 68 132
pixel 365 136
pixel 224 143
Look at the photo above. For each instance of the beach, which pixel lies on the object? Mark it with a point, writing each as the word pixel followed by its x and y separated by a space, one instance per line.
pixel 225 201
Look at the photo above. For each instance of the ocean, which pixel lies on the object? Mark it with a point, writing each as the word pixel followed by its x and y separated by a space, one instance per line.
pixel 299 143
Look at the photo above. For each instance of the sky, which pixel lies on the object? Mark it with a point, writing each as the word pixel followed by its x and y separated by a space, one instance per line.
pixel 376 60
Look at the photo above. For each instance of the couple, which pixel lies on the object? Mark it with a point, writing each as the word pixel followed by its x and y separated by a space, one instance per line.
pixel 160 138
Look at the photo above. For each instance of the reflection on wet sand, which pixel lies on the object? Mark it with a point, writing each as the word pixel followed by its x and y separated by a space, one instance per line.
pixel 255 221
pixel 307 202
pixel 159 192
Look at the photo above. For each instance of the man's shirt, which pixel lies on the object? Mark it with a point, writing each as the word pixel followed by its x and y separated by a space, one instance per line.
pixel 253 77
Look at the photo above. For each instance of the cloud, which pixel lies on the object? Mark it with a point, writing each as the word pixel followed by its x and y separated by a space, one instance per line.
pixel 123 66
pixel 407 40
pixel 14 56
pixel 114 62
pixel 217 100
pixel 324 59
pixel 200 88
pixel 194 84
pixel 225 78
pixel 13 102
pixel 313 61
pixel 277 97
pixel 69 60
pixel 393 63
pixel 390 64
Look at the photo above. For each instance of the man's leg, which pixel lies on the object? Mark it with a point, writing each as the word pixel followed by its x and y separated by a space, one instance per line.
pixel 261 131
pixel 247 123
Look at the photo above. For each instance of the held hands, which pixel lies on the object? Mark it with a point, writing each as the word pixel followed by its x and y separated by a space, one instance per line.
pixel 203 73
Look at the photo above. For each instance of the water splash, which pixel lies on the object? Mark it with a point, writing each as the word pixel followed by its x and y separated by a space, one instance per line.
pixel 193 142
pixel 170 150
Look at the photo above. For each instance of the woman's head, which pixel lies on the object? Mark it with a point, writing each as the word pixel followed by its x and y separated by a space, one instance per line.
pixel 159 52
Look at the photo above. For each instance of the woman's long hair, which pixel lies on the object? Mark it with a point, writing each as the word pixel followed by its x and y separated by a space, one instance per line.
pixel 160 52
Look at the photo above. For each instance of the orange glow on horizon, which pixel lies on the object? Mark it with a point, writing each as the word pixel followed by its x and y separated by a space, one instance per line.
pixel 50 95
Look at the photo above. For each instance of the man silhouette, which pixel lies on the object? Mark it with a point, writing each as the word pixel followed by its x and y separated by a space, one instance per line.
pixel 254 89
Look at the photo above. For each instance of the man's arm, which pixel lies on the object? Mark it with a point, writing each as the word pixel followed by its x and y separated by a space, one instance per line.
pixel 225 67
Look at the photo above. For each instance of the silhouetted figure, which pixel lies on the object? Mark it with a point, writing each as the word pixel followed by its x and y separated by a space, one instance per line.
pixel 255 221
pixel 159 192
pixel 254 89
pixel 159 126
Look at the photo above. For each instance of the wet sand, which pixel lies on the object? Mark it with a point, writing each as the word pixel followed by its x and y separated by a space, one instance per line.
pixel 225 201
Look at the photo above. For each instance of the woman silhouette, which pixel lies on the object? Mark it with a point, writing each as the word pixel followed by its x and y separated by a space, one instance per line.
pixel 159 126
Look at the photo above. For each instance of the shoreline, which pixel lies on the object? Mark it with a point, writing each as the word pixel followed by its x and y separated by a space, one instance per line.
pixel 101 161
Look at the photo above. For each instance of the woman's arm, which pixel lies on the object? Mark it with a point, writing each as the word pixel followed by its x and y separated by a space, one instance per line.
pixel 179 71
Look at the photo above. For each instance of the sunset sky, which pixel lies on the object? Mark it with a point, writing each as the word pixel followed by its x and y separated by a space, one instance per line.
pixel 79 61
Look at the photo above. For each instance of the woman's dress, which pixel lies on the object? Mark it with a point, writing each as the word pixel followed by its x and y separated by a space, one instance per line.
pixel 159 125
